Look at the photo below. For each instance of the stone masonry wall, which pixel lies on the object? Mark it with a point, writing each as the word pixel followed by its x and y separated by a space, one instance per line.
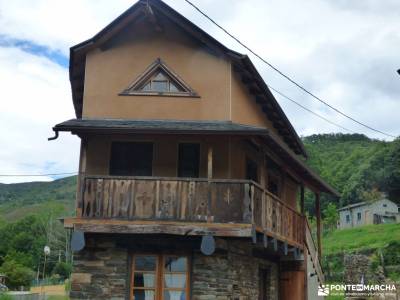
pixel 231 275
pixel 100 271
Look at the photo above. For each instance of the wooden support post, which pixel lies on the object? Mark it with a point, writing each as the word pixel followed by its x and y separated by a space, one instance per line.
pixel 81 177
pixel 302 199
pixel 209 176
pixel 210 162
pixel 318 214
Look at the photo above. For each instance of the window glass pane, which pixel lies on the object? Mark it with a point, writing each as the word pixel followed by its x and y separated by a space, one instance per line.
pixel 147 87
pixel 175 264
pixel 174 295
pixel 160 77
pixel 143 295
pixel 144 280
pixel 160 86
pixel 173 87
pixel 175 280
pixel 145 263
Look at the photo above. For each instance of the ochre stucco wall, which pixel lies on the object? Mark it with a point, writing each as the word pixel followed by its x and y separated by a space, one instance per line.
pixel 127 56
pixel 111 69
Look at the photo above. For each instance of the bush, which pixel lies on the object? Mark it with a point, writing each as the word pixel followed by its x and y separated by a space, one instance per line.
pixel 62 269
pixel 17 275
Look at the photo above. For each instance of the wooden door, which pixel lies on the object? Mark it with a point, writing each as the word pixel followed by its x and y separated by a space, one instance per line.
pixel 291 285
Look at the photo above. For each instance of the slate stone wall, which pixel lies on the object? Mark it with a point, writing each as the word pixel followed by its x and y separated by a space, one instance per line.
pixel 101 271
pixel 232 274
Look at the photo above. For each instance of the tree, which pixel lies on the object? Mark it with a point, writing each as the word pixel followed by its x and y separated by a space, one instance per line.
pixel 331 216
pixel 17 275
pixel 372 195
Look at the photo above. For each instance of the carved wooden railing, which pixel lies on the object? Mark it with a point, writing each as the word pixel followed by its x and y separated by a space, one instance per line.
pixel 312 249
pixel 190 200
pixel 275 217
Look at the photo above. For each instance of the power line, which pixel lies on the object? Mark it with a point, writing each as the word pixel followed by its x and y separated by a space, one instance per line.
pixel 38 175
pixel 309 110
pixel 286 76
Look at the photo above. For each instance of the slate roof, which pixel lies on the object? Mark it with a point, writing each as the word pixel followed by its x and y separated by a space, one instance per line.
pixel 174 126
pixel 352 206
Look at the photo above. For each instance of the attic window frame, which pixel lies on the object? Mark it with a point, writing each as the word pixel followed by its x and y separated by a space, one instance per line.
pixel 135 88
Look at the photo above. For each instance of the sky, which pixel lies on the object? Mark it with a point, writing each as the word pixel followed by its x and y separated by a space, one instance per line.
pixel 346 52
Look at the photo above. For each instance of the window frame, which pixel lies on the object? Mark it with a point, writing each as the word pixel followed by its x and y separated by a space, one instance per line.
pixel 135 87
pixel 159 286
pixel 347 218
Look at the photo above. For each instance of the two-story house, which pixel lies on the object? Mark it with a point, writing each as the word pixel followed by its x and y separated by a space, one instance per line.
pixel 191 178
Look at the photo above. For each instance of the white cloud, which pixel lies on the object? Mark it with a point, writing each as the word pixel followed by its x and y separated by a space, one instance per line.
pixel 35 96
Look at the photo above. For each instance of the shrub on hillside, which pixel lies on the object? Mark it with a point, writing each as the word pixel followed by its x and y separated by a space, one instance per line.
pixel 17 274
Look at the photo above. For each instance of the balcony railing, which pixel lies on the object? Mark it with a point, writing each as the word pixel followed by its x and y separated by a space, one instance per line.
pixel 190 200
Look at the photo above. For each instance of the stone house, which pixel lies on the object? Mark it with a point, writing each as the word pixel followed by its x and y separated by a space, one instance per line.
pixel 363 213
pixel 191 178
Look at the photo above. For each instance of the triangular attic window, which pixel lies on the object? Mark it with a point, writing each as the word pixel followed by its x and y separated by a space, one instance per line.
pixel 158 79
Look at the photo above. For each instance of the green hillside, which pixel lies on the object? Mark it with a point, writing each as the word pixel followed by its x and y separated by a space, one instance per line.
pixel 380 243
pixel 20 199
pixel 355 165
pixel 368 237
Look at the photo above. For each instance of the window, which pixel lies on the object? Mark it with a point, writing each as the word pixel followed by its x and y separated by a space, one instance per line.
pixel 359 216
pixel 188 160
pixel 159 277
pixel 384 205
pixel 348 218
pixel 251 170
pixel 158 80
pixel 131 159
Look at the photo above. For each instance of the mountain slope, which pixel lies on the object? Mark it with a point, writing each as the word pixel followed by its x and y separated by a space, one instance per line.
pixel 20 199
pixel 355 165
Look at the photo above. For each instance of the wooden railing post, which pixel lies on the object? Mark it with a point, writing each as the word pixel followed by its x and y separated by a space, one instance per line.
pixel 247 214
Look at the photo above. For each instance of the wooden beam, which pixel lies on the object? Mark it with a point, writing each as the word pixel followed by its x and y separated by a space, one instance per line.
pixel 158 227
pixel 318 214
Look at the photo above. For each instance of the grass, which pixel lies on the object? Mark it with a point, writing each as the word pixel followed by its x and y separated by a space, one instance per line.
pixel 368 237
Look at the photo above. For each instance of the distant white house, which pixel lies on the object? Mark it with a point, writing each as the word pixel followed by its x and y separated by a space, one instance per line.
pixel 363 213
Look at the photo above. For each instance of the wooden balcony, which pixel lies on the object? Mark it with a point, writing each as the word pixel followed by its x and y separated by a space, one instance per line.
pixel 184 201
